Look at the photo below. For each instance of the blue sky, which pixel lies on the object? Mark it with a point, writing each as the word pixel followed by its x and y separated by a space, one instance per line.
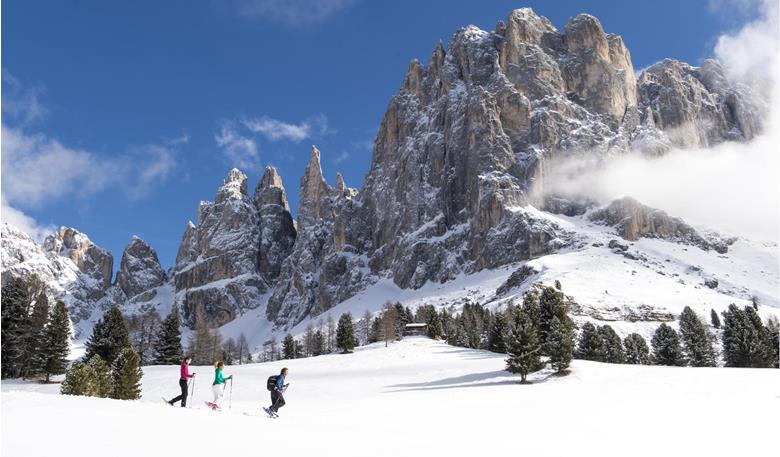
pixel 119 117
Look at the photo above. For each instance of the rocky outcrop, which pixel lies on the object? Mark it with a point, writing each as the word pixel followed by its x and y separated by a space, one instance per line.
pixel 634 220
pixel 232 258
pixel 139 269
pixel 92 261
pixel 277 229
pixel 80 287
pixel 325 266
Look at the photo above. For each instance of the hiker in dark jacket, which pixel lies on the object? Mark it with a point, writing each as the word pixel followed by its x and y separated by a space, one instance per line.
pixel 277 395
pixel 184 377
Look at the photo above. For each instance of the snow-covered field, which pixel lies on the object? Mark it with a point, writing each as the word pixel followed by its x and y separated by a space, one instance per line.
pixel 416 397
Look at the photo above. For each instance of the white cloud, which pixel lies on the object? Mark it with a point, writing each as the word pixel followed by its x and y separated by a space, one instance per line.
pixel 240 150
pixel 275 130
pixel 341 157
pixel 732 187
pixel 24 222
pixel 22 103
pixel 36 169
pixel 294 12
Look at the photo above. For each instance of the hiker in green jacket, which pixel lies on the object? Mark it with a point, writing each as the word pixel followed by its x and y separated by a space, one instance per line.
pixel 218 387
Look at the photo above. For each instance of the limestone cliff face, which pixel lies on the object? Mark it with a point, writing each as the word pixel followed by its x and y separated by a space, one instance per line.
pixel 93 261
pixel 465 145
pixel 139 269
pixel 231 258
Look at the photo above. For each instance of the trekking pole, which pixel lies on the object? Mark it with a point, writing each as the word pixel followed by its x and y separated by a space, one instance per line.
pixel 192 394
pixel 230 397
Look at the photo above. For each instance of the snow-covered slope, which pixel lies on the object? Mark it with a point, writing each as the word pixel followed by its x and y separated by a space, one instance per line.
pixel 633 290
pixel 416 397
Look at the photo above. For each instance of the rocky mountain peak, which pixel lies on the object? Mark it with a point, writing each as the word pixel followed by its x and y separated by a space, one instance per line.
pixel 139 269
pixel 90 259
pixel 314 203
pixel 234 186
pixel 270 190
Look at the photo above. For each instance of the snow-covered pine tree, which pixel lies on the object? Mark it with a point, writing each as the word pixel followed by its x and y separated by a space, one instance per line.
pixel 109 336
pixel 104 383
pixel 746 342
pixel 551 304
pixel 498 333
pixel 591 345
pixel 773 327
pixel 13 322
pixel 167 347
pixel 53 356
pixel 126 375
pixel 637 352
pixel 696 340
pixel 666 347
pixel 523 347
pixel 714 319
pixel 288 347
pixel 345 333
pixel 435 328
pixel 560 343
pixel 80 379
pixel 614 352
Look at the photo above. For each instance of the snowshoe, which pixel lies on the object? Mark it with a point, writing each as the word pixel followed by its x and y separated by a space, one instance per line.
pixel 213 406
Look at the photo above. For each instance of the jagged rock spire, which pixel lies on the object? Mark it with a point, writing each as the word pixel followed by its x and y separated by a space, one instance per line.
pixel 270 190
pixel 313 205
pixel 139 269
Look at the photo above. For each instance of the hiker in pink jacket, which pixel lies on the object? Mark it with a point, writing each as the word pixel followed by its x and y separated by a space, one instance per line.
pixel 183 380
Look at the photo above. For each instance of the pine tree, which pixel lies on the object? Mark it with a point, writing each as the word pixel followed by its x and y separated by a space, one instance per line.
pixel 230 351
pixel 126 375
pixel 376 330
pixel 746 342
pixel 14 321
pixel 318 343
pixel 560 343
pixel 498 333
pixel 167 347
pixel 613 345
pixel 288 347
pixel 345 333
pixel 666 347
pixel 80 379
pixel 109 336
pixel 591 345
pixel 714 319
pixel 104 383
pixel 773 327
pixel 435 328
pixel 697 343
pixel 637 352
pixel 330 342
pixel 32 341
pixel 53 356
pixel 551 305
pixel 523 347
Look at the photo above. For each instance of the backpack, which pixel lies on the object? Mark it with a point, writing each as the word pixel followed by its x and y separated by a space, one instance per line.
pixel 271 383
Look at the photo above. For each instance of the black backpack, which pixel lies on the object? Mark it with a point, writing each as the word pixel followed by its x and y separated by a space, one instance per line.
pixel 271 384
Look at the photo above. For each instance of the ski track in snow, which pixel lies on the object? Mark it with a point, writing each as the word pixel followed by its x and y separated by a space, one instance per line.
pixel 416 397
